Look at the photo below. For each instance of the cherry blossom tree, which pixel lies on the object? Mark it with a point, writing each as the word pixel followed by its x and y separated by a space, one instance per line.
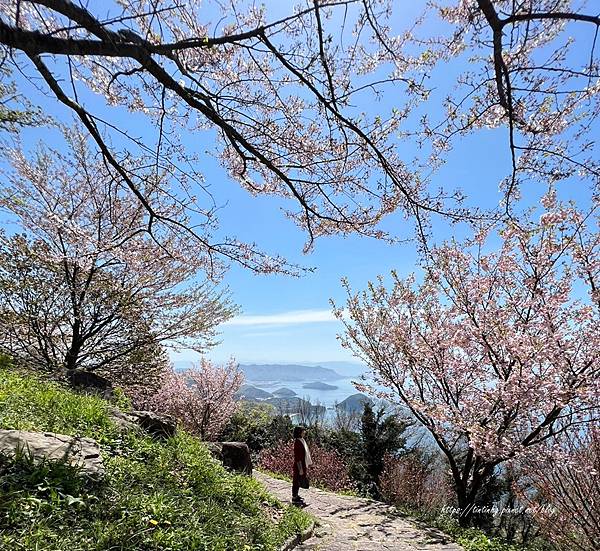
pixel 86 287
pixel 533 68
pixel 15 110
pixel 494 352
pixel 201 398
pixel 285 89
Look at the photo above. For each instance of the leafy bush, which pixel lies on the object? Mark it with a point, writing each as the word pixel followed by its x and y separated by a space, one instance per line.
pixel 415 481
pixel 378 433
pixel 167 495
pixel 328 470
pixel 472 539
pixel 475 540
pixel 561 486
pixel 257 425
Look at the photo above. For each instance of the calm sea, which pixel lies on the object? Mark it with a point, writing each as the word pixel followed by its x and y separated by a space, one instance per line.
pixel 327 398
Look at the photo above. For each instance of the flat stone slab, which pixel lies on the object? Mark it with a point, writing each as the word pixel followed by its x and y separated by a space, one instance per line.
pixel 357 524
pixel 77 451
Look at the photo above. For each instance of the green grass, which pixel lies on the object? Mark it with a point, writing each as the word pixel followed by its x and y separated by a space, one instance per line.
pixel 167 495
pixel 470 539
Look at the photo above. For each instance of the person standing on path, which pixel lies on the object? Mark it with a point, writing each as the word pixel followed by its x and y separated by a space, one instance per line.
pixel 302 461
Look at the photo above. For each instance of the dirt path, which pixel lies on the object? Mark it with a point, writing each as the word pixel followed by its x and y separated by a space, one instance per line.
pixel 351 523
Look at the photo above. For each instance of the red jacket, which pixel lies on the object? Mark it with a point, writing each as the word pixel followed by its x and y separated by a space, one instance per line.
pixel 299 457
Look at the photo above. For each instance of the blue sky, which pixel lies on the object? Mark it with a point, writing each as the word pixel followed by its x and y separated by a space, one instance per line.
pixel 285 319
pixel 289 319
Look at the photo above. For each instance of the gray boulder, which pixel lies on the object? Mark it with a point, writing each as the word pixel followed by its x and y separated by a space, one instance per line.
pixel 233 455
pixel 125 421
pixel 80 452
pixel 90 382
pixel 156 424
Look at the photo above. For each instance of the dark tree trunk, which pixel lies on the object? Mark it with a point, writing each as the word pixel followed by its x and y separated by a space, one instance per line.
pixel 72 355
pixel 468 482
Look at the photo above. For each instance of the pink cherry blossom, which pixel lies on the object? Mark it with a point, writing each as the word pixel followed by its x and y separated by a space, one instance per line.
pixel 493 352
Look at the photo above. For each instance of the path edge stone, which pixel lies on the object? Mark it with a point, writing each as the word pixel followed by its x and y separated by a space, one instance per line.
pixel 297 539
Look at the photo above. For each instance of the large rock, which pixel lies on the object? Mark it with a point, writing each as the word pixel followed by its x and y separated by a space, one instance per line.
pixel 89 381
pixel 125 421
pixel 157 424
pixel 233 455
pixel 80 452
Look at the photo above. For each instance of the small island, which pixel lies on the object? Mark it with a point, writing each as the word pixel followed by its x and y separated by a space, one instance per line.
pixel 294 405
pixel 317 385
pixel 284 393
pixel 354 403
pixel 249 392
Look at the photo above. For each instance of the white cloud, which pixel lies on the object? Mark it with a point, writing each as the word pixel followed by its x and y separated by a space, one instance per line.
pixel 285 318
pixel 269 333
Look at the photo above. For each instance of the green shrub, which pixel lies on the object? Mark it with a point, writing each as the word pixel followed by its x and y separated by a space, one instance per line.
pixel 475 540
pixel 257 425
pixel 471 539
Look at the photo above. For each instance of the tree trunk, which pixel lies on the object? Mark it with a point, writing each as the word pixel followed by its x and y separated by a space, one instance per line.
pixel 72 355
pixel 467 485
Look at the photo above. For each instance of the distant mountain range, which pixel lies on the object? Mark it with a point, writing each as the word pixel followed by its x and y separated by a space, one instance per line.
pixel 346 369
pixel 324 371
pixel 290 373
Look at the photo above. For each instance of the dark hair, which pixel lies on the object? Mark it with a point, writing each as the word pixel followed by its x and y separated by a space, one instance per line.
pixel 298 431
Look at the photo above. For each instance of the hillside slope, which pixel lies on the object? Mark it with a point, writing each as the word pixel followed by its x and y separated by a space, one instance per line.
pixel 168 495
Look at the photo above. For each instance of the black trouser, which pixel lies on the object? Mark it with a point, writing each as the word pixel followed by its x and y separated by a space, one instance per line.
pixel 295 485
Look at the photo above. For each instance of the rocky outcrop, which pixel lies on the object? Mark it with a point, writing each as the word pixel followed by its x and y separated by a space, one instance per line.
pixel 88 381
pixel 155 424
pixel 125 421
pixel 233 455
pixel 80 452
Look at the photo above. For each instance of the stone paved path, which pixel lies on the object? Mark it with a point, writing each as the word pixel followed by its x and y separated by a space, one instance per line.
pixel 358 524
